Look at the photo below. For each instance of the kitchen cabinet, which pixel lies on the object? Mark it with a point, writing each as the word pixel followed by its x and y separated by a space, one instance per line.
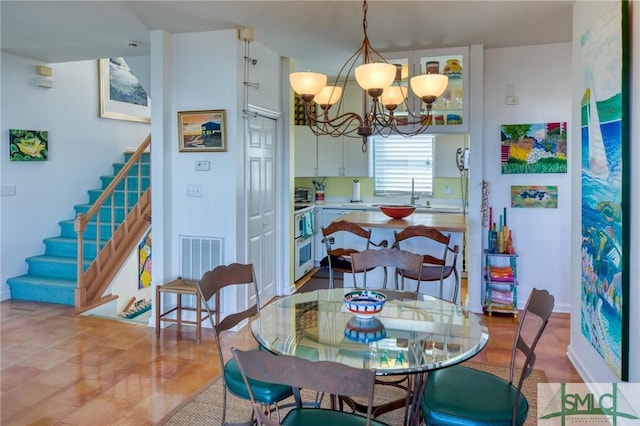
pixel 342 157
pixel 324 216
pixel 450 111
pixel 305 152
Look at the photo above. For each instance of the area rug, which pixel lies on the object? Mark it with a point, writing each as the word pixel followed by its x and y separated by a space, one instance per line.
pixel 206 407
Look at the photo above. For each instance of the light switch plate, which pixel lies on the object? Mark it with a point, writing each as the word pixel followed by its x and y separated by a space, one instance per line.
pixel 194 190
pixel 203 165
pixel 7 190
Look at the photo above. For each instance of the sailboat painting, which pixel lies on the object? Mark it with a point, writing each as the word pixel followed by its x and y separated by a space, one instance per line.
pixel 602 303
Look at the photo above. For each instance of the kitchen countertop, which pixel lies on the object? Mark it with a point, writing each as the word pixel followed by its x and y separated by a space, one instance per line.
pixel 433 207
pixel 375 219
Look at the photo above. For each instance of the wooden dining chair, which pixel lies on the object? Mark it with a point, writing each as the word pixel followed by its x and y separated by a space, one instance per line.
pixel 331 378
pixel 242 279
pixel 402 260
pixel 465 396
pixel 338 257
pixel 439 263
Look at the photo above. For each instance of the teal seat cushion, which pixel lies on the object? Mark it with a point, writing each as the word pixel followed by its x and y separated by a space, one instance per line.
pixel 325 417
pixel 465 396
pixel 265 393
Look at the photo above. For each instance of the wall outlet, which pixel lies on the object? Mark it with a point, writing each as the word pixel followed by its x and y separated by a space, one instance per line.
pixel 448 190
pixel 194 190
pixel 203 165
pixel 7 190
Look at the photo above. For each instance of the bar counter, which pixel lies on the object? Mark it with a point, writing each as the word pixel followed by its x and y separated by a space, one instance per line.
pixel 445 222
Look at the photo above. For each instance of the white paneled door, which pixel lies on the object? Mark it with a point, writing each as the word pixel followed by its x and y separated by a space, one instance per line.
pixel 261 203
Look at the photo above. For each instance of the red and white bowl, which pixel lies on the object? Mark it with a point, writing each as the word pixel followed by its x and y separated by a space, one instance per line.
pixel 364 304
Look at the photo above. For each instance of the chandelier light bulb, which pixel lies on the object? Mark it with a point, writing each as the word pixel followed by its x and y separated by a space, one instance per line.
pixel 393 96
pixel 427 86
pixel 376 75
pixel 328 96
pixel 307 84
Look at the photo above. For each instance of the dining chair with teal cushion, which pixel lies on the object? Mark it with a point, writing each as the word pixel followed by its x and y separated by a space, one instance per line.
pixel 328 377
pixel 461 395
pixel 240 277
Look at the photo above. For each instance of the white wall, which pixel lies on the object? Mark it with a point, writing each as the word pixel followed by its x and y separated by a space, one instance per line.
pixel 82 146
pixel 207 74
pixel 542 81
pixel 587 361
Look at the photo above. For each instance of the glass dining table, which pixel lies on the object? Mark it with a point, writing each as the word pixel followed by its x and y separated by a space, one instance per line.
pixel 411 336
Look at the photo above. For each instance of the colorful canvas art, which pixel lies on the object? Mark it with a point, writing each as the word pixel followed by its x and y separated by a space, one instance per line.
pixel 534 196
pixel 28 145
pixel 604 281
pixel 144 263
pixel 534 148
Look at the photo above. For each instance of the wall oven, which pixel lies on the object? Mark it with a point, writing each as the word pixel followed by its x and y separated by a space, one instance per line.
pixel 303 242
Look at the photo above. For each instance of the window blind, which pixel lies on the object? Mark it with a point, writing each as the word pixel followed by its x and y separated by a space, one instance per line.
pixel 397 160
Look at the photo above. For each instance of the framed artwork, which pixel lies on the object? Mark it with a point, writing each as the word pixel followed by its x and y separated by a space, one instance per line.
pixel 202 131
pixel 534 196
pixel 605 178
pixel 28 145
pixel 122 97
pixel 144 261
pixel 533 148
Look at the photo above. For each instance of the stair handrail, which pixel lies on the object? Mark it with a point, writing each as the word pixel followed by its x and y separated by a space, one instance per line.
pixel 81 221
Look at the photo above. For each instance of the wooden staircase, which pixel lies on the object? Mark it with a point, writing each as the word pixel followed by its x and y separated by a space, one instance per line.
pixel 78 266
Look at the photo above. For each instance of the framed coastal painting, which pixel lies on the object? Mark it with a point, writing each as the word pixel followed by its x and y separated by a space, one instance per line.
pixel 122 97
pixel 543 196
pixel 533 148
pixel 605 178
pixel 202 131
pixel 28 145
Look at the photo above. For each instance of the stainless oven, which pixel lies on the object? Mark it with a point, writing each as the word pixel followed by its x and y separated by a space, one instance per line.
pixel 303 242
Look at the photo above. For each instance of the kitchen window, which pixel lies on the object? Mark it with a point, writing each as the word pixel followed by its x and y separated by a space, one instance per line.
pixel 397 160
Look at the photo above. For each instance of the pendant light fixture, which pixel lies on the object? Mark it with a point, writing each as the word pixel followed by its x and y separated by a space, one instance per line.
pixel 383 94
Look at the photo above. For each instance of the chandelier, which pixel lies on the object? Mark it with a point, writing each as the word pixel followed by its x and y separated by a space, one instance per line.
pixel 383 94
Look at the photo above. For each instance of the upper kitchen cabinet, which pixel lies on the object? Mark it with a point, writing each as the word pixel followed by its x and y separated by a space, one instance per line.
pixel 342 156
pixel 450 111
pixel 305 149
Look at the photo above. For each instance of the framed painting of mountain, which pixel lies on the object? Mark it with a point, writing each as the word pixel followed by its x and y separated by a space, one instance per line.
pixel 122 97
pixel 533 148
pixel 605 170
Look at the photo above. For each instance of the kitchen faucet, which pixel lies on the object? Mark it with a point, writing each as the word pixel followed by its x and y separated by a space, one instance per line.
pixel 414 197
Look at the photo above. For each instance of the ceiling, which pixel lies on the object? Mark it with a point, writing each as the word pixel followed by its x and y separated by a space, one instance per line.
pixel 319 35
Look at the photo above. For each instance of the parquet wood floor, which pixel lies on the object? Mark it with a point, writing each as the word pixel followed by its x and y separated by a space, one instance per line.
pixel 63 369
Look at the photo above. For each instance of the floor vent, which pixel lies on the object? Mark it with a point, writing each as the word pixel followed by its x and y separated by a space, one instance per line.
pixel 199 255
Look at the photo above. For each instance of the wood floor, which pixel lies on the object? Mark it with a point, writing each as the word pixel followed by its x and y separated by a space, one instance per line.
pixel 63 369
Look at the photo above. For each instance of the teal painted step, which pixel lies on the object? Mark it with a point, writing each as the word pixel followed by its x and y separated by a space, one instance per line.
pixel 105 212
pixel 133 171
pixel 55 266
pixel 68 247
pixel 52 276
pixel 42 289
pixel 132 182
pixel 132 196
pixel 68 231
pixel 146 157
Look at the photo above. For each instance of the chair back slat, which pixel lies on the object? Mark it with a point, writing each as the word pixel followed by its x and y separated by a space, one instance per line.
pixel 323 376
pixel 402 260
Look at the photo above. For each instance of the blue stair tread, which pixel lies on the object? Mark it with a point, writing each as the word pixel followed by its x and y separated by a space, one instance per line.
pixel 45 281
pixel 57 259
